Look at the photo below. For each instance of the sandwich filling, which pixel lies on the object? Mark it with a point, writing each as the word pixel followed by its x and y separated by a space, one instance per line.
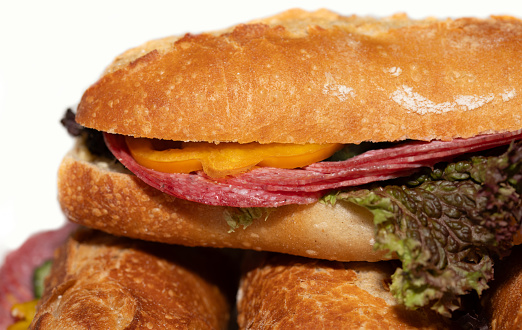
pixel 20 284
pixel 273 187
pixel 224 159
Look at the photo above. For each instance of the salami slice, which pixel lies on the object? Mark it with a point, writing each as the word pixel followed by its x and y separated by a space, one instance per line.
pixel 368 167
pixel 272 187
pixel 17 271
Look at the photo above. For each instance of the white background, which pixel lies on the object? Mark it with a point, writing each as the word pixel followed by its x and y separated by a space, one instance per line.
pixel 51 51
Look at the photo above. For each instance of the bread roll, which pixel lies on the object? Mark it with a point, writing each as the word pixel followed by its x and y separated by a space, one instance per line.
pixel 503 302
pixel 285 292
pixel 99 281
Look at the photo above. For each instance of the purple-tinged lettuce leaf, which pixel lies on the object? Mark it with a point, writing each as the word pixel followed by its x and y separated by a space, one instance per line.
pixel 447 226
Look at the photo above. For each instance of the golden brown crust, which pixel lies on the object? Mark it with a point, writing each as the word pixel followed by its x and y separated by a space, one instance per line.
pixel 503 302
pixel 121 204
pixel 313 294
pixel 317 77
pixel 102 282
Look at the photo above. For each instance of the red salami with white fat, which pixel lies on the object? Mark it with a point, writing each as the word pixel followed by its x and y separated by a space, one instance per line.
pixel 17 271
pixel 272 187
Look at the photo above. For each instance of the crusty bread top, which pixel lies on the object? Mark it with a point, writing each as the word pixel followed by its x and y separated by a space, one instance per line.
pixel 99 281
pixel 286 292
pixel 302 77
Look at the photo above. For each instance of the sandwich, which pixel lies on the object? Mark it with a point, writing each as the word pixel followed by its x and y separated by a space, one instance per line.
pixel 99 281
pixel 317 135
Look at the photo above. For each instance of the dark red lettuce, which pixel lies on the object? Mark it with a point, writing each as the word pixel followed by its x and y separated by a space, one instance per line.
pixel 447 226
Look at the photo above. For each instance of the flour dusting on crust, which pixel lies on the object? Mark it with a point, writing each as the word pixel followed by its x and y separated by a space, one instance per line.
pixel 416 103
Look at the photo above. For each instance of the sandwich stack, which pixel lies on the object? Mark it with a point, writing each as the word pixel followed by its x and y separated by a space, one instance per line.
pixel 366 170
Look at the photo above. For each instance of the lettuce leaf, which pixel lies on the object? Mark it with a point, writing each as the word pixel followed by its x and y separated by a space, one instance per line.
pixel 237 217
pixel 447 225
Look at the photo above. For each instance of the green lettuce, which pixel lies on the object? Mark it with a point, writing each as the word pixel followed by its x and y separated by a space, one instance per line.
pixel 39 275
pixel 237 217
pixel 447 226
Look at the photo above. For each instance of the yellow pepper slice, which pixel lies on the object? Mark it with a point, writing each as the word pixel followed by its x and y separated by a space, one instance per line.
pixel 25 313
pixel 219 160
